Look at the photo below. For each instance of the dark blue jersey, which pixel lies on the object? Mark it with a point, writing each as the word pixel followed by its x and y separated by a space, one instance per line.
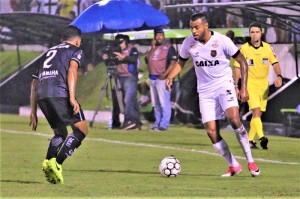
pixel 53 69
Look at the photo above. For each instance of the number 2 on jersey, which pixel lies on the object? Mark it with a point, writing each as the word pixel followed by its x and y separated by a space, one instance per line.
pixel 50 54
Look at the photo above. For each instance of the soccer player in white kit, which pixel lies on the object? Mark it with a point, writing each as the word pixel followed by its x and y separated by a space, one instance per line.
pixel 211 52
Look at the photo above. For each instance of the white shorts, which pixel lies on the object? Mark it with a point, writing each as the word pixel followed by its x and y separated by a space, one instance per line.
pixel 214 103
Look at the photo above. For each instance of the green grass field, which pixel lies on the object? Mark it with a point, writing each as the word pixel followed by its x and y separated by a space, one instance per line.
pixel 9 61
pixel 124 164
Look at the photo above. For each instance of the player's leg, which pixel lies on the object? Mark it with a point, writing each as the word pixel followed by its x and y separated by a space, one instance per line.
pixel 220 145
pixel 63 115
pixel 73 141
pixel 232 114
pixel 60 134
pixel 229 103
pixel 211 111
pixel 252 133
pixel 256 117
pixel 49 109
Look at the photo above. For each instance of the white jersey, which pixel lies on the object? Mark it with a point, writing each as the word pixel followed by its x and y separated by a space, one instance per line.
pixel 211 60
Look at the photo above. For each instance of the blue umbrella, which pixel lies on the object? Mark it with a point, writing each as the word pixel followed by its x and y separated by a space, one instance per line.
pixel 110 16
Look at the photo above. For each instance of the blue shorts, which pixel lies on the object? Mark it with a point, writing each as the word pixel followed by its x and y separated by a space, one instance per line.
pixel 59 112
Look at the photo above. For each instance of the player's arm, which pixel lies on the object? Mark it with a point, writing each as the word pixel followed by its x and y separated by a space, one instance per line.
pixel 278 81
pixel 273 59
pixel 236 71
pixel 72 80
pixel 175 71
pixel 243 74
pixel 33 105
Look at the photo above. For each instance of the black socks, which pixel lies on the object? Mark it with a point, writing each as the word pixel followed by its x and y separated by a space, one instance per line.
pixel 72 142
pixel 54 146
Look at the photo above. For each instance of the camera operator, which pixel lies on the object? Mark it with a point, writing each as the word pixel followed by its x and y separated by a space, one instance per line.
pixel 127 77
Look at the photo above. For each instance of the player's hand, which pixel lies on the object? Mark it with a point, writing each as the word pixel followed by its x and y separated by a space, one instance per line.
pixel 244 96
pixel 76 107
pixel 237 91
pixel 168 84
pixel 33 121
pixel 278 82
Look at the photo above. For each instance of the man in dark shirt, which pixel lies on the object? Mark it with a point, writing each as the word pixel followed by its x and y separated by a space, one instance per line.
pixel 53 89
pixel 127 77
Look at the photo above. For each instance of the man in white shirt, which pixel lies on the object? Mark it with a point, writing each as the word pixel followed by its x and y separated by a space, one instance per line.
pixel 211 52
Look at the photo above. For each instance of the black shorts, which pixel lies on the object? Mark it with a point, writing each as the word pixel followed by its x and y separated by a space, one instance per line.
pixel 59 112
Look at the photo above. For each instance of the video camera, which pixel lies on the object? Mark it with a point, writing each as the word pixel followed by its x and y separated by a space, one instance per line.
pixel 112 58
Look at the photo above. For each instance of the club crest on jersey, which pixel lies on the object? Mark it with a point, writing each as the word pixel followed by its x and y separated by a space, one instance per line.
pixel 213 53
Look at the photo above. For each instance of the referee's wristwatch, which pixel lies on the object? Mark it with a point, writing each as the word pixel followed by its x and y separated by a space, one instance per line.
pixel 280 76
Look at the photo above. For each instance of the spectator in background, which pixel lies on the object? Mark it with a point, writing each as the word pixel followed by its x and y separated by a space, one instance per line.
pixel 72 14
pixel 64 7
pixel 84 4
pixel 161 60
pixel 14 5
pixel 37 6
pixel 259 56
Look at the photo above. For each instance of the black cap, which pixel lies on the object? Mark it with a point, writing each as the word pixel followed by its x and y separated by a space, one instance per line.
pixel 120 38
pixel 158 30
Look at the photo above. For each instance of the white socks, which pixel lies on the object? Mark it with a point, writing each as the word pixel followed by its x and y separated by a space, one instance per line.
pixel 242 136
pixel 223 150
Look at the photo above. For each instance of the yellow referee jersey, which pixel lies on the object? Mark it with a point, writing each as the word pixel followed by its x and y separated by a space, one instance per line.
pixel 258 59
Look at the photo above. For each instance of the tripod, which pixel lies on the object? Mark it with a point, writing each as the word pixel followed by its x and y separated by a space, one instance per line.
pixel 110 76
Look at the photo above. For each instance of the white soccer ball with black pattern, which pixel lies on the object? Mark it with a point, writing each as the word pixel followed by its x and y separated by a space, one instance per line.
pixel 170 167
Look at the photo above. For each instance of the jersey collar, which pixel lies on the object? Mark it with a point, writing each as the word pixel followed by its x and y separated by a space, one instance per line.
pixel 261 44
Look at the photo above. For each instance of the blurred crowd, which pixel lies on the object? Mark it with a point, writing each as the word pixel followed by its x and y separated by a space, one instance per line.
pixel 221 17
pixel 64 8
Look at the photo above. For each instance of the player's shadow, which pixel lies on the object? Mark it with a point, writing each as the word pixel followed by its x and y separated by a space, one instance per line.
pixel 21 181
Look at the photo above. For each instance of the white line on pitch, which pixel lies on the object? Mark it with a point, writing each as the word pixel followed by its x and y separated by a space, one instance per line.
pixel 149 145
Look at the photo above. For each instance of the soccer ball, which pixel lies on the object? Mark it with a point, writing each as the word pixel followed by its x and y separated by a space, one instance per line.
pixel 170 167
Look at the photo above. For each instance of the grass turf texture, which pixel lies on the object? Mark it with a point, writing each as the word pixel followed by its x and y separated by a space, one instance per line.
pixel 111 164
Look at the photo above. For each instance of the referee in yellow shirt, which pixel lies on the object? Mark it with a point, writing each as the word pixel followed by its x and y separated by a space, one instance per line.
pixel 259 56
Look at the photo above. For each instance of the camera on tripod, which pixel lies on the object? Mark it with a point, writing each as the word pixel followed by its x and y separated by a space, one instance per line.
pixel 112 59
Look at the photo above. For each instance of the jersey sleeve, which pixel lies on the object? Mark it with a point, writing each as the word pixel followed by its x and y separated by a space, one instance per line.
pixel 38 65
pixel 272 56
pixel 78 56
pixel 229 47
pixel 184 54
pixel 235 63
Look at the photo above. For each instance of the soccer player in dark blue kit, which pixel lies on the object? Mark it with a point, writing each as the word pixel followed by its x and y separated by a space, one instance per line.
pixel 53 90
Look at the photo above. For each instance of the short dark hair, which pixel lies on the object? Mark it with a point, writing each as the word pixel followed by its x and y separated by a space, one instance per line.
pixel 201 16
pixel 70 32
pixel 120 38
pixel 255 24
